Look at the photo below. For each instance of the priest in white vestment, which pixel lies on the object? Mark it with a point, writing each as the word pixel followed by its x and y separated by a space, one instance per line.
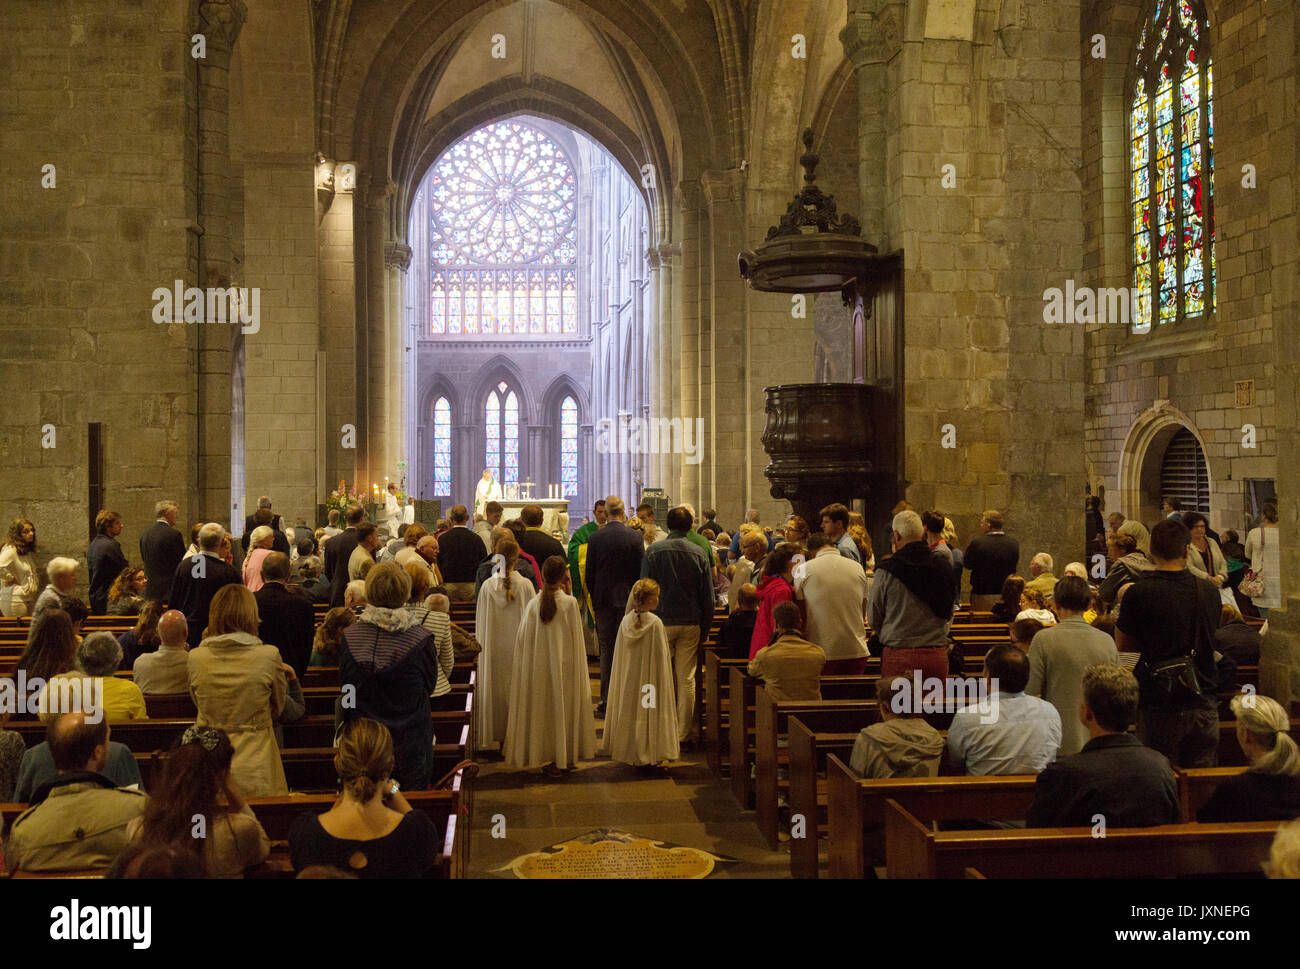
pixel 392 511
pixel 641 707
pixel 551 724
pixel 487 490
pixel 500 610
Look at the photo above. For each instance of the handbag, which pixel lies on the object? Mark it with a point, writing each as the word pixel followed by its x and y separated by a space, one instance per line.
pixel 1175 680
pixel 1252 583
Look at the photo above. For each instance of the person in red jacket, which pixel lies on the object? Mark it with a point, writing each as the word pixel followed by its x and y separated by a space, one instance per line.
pixel 776 585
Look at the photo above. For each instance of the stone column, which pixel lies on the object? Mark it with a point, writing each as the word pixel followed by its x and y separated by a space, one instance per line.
pixel 397 260
pixel 728 356
pixel 219 22
pixel 690 299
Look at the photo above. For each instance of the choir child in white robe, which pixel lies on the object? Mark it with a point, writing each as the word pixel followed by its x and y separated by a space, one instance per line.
pixel 641 710
pixel 501 602
pixel 551 722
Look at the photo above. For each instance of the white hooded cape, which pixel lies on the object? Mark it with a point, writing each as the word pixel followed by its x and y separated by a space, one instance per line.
pixel 636 731
pixel 496 624
pixel 551 719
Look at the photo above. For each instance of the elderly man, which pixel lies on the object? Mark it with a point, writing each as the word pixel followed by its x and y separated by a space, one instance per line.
pixel 94 685
pixel 104 559
pixel 834 590
pixel 165 670
pixel 198 578
pixel 685 606
pixel 161 549
pixel 287 619
pixel 62 573
pixel 1011 732
pixel 1043 579
pixel 1121 525
pixel 78 820
pixel 910 605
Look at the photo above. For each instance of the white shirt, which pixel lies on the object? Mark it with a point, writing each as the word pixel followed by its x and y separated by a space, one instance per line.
pixel 1022 739
pixel 835 589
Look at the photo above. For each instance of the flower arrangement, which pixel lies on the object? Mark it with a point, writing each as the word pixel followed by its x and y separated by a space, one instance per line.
pixel 341 497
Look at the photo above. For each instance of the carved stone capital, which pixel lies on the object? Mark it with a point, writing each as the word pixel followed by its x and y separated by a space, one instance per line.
pixel 723 186
pixel 397 255
pixel 874 32
pixel 220 22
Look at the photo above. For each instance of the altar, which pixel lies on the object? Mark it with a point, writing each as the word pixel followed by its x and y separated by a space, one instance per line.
pixel 551 507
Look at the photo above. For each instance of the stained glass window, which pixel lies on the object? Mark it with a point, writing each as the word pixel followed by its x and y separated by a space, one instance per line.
pixel 569 447
pixel 1171 166
pixel 442 447
pixel 501 419
pixel 503 235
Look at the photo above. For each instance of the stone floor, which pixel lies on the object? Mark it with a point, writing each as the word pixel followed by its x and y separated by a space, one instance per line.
pixel 683 805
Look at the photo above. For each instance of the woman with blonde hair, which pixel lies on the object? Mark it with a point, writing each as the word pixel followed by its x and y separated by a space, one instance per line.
pixel 550 721
pixel 260 542
pixel 371 831
pixel 19 581
pixel 1269 790
pixel 641 712
pixel 390 659
pixel 238 685
pixel 501 603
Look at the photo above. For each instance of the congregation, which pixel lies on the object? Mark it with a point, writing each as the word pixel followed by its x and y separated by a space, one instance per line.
pixel 1109 679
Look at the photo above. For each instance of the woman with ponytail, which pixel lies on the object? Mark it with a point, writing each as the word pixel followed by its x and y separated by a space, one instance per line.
pixel 371 831
pixel 196 784
pixel 501 602
pixel 550 721
pixel 641 711
pixel 1269 790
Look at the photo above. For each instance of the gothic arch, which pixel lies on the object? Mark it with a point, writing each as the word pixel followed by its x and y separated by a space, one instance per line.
pixel 1143 453
pixel 496 369
pixel 564 386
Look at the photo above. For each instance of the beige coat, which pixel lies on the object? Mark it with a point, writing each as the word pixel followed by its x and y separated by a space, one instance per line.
pixel 78 826
pixel 238 686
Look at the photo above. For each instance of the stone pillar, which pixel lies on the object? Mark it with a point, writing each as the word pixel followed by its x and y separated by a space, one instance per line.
pixel 397 260
pixel 220 22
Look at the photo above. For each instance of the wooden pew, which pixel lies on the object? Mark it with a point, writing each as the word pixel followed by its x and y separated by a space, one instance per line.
pixel 771 727
pixel 808 750
pixel 914 851
pixel 717 688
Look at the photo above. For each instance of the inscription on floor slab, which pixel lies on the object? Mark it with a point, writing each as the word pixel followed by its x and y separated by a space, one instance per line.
pixel 609 853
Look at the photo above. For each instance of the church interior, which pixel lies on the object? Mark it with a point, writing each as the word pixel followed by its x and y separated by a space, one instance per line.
pixel 754 257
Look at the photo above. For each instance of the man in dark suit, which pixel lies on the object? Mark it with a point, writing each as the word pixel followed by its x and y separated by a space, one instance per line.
pixel 162 547
pixel 198 578
pixel 1114 777
pixel 263 516
pixel 534 541
pixel 991 558
pixel 613 567
pixel 104 559
pixel 288 621
pixel 459 553
pixel 337 552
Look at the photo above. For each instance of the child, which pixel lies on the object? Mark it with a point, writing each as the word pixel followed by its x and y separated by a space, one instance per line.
pixel 738 630
pixel 551 724
pixel 641 712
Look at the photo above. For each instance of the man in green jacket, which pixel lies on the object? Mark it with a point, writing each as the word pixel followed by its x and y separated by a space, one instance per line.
pixel 575 569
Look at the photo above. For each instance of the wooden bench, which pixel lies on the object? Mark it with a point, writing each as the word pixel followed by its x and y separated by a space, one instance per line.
pixel 808 750
pixel 912 850
pixel 772 724
pixel 717 688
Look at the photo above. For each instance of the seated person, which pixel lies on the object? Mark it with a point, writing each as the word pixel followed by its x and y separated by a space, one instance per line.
pixel 738 629
pixel 78 819
pixel 97 660
pixel 1010 733
pixel 1023 631
pixel 901 744
pixel 791 667
pixel 1033 605
pixel 1115 776
pixel 1270 789
pixel 166 670
pixel 196 783
pixel 371 830
pixel 1008 606
pixel 1284 854
pixel 38 767
pixel 1236 640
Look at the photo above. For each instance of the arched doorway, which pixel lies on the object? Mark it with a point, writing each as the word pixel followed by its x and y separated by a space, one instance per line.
pixel 1163 452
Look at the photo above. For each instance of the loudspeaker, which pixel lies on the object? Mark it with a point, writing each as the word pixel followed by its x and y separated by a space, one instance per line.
pixel 658 499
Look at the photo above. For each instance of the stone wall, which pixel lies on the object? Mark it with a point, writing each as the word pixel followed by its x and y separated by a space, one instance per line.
pixel 99 91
